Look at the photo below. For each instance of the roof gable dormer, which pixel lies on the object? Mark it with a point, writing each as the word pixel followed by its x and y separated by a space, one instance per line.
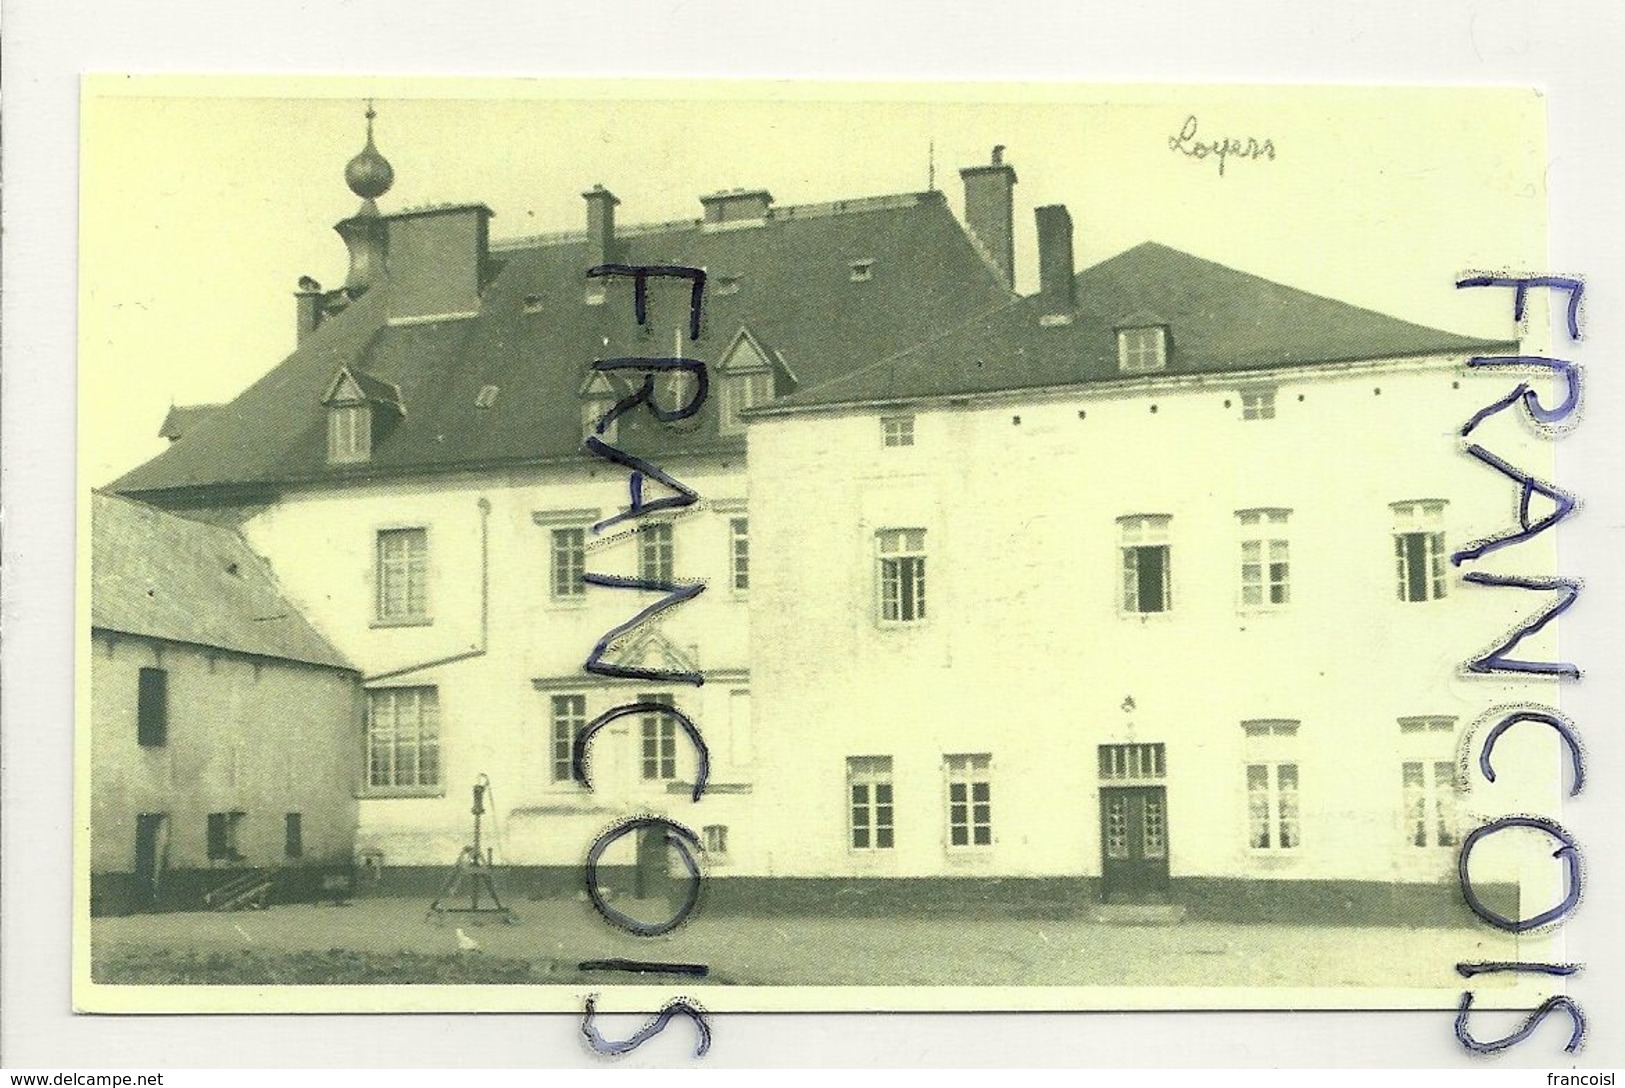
pixel 752 374
pixel 361 409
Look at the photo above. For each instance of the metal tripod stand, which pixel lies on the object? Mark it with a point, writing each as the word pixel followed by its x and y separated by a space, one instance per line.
pixel 473 869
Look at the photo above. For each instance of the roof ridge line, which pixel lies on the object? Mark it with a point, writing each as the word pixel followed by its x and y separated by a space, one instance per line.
pixel 818 210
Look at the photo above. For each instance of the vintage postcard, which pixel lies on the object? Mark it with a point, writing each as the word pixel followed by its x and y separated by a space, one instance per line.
pixel 752 547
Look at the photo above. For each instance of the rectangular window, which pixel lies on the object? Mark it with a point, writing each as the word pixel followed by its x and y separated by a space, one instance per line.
pixel 716 839
pixel 739 552
pixel 901 575
pixel 655 556
pixel 152 709
pixel 1146 563
pixel 1419 549
pixel 1125 762
pixel 293 835
pixel 1273 822
pixel 1265 568
pixel 741 391
pixel 1429 779
pixel 1142 351
pixel 869 791
pixel 223 836
pixel 403 575
pixel 1429 799
pixel 403 738
pixel 897 430
pixel 970 800
pixel 569 563
pixel 1258 403
pixel 659 735
pixel 569 719
pixel 349 433
pixel 594 409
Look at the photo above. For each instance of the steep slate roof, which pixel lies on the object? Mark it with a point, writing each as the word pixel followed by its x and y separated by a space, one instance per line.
pixel 1220 321
pixel 163 576
pixel 182 418
pixel 535 338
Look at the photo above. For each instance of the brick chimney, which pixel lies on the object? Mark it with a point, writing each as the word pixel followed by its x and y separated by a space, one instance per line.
pixel 990 211
pixel 1056 290
pixel 307 303
pixel 438 259
pixel 600 225
pixel 736 208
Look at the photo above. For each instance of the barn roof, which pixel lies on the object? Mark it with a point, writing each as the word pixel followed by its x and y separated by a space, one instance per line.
pixel 159 575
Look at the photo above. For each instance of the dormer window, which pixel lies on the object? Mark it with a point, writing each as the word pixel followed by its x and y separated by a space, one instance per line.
pixel 360 411
pixel 1142 350
pixel 597 398
pixel 752 374
pixel 862 271
pixel 349 433
pixel 727 285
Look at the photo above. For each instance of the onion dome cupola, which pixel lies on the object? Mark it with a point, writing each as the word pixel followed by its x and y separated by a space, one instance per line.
pixel 369 177
pixel 369 174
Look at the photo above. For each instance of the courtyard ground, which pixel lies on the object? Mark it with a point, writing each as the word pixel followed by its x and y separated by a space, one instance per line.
pixel 391 940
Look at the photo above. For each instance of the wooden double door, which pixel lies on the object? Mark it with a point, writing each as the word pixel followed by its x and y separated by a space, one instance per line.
pixel 1134 844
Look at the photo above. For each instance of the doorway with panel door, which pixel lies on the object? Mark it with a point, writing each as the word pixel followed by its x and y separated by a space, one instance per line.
pixel 1133 823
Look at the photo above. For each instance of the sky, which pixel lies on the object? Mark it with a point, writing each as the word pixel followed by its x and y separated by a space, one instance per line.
pixel 203 201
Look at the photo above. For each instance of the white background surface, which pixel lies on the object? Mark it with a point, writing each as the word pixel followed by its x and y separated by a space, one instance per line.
pixel 1572 50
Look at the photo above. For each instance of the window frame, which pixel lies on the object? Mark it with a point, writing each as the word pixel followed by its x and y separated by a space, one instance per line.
pixel 1265 527
pixel 742 389
pixel 432 732
pixel 657 552
pixel 1429 742
pixel 969 769
pixel 891 563
pixel 566 581
pixel 383 616
pixel 293 835
pixel 1136 356
pixel 1271 745
pixel 152 707
pixel 659 732
pixel 897 431
pixel 1419 536
pixel 349 432
pixel 573 720
pixel 871 773
pixel 1262 406
pixel 1137 533
pixel 739 554
pixel 223 836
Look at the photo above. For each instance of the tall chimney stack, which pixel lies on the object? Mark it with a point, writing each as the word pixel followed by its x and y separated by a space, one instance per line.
pixel 600 225
pixel 307 307
pixel 990 211
pixel 1056 290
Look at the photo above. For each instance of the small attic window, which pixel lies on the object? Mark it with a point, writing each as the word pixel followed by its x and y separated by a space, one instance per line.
pixel 1142 350
pixel 533 304
pixel 727 285
pixel 349 433
pixel 487 396
pixel 862 271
